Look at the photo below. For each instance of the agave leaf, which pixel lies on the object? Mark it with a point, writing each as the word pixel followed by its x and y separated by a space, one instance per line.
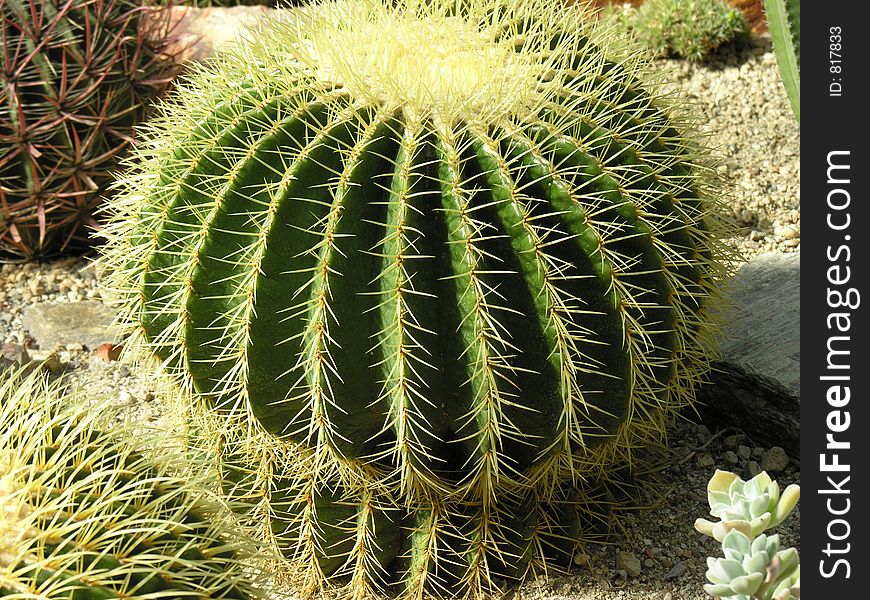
pixel 783 19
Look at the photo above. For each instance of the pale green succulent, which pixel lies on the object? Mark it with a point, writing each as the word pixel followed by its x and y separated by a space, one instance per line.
pixel 754 569
pixel 789 586
pixel 747 506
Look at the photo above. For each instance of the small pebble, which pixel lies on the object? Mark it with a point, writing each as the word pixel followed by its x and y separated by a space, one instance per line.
pixel 704 460
pixel 774 460
pixel 677 570
pixel 732 441
pixel 629 563
pixel 787 232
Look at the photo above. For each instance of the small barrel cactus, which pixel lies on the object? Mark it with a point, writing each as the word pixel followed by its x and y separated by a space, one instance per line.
pixel 85 514
pixel 76 77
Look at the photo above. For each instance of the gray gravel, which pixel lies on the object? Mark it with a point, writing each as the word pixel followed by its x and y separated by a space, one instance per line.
pixel 752 126
pixel 658 555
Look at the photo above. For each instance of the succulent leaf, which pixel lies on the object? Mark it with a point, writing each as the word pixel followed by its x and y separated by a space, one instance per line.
pixel 744 569
pixel 784 23
pixel 786 503
pixel 757 502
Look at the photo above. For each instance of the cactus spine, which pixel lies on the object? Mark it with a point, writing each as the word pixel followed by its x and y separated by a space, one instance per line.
pixel 784 23
pixel 455 255
pixel 85 515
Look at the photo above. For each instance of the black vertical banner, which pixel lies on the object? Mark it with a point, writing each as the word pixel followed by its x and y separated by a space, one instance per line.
pixel 835 298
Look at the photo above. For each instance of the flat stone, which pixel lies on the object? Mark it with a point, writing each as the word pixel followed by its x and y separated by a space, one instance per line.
pixel 677 571
pixel 68 324
pixel 755 386
pixel 762 333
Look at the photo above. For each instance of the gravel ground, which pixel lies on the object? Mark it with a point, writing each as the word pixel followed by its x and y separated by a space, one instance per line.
pixel 752 126
pixel 659 556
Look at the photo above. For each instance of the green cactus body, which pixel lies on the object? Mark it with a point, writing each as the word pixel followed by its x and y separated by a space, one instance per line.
pixel 365 544
pixel 84 515
pixel 459 253
pixel 466 290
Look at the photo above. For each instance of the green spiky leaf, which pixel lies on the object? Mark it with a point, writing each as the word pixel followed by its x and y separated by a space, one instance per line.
pixel 784 23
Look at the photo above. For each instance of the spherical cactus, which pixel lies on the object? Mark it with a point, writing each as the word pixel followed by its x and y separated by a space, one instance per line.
pixel 76 77
pixel 460 251
pixel 362 543
pixel 85 514
pixel 468 272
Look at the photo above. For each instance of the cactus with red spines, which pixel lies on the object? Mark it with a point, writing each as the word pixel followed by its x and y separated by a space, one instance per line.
pixel 76 77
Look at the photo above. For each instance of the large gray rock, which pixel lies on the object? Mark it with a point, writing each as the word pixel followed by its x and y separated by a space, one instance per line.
pixel 66 323
pixel 756 385
pixel 763 334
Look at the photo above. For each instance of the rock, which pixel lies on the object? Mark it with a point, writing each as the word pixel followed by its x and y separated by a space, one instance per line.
pixel 15 353
pixel 752 468
pixel 629 563
pixel 787 232
pixel 196 33
pixel 744 452
pixel 755 387
pixel 68 324
pixel 704 460
pixel 49 360
pixel 109 352
pixel 731 458
pixel 677 571
pixel 732 441
pixel 774 460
